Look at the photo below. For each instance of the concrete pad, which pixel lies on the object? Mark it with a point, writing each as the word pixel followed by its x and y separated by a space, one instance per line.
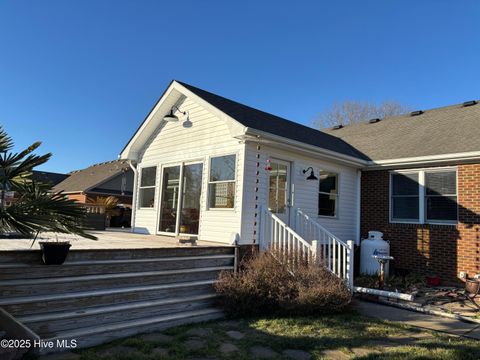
pixel 424 321
pixel 335 355
pixel 262 352
pixel 296 354
pixel 474 333
pixel 237 335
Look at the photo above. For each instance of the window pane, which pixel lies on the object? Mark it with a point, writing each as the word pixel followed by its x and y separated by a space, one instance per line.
pixel 404 184
pixel 405 208
pixel 148 176
pixel 222 168
pixel 147 197
pixel 441 208
pixel 326 205
pixel 222 195
pixel 328 182
pixel 440 183
pixel 272 200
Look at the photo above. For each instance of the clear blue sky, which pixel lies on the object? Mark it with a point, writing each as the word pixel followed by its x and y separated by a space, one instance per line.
pixel 82 75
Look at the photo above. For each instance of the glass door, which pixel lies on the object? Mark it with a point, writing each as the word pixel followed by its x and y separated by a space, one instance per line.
pixel 180 210
pixel 279 189
pixel 169 198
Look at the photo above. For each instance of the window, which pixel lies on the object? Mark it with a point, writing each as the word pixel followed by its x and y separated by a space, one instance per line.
pixel 147 187
pixel 405 197
pixel 221 184
pixel 328 194
pixel 424 196
pixel 441 196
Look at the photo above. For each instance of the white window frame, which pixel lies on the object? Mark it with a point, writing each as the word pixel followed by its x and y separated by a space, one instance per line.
pixel 422 218
pixel 154 186
pixel 337 196
pixel 210 158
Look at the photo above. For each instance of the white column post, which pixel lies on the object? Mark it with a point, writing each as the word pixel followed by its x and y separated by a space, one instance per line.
pixel 350 264
pixel 314 252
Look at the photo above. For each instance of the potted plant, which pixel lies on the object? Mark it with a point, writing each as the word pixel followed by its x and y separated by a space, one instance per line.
pixel 37 208
pixel 54 252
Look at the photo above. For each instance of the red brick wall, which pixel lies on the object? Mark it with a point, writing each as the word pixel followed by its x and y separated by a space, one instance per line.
pixel 444 250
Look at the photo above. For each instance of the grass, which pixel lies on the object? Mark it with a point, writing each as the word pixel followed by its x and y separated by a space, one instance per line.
pixel 343 333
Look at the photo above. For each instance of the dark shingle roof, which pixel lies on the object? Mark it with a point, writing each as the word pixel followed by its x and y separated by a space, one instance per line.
pixel 260 120
pixel 48 177
pixel 82 180
pixel 446 130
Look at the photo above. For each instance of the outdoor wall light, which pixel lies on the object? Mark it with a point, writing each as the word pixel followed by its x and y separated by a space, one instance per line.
pixel 171 117
pixel 312 175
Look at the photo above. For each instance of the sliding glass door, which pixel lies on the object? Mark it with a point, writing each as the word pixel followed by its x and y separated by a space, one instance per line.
pixel 180 210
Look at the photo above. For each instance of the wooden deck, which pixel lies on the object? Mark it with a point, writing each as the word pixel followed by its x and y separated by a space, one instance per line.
pixel 110 239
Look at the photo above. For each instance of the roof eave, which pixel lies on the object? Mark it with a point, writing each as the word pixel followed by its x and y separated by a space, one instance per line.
pixel 442 159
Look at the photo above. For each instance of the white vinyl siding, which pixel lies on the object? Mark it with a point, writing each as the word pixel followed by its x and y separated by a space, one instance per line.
pixel 305 192
pixel 172 144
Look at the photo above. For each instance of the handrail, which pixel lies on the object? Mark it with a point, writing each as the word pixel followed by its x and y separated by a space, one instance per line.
pixel 319 226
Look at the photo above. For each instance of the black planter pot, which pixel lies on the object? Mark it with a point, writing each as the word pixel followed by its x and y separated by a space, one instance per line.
pixel 54 253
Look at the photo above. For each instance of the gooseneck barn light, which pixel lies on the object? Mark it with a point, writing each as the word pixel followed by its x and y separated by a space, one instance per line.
pixel 312 175
pixel 171 117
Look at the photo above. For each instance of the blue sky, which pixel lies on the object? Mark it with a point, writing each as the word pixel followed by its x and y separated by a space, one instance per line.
pixel 81 75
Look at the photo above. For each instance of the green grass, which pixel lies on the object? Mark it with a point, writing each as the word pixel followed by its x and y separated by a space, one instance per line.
pixel 314 335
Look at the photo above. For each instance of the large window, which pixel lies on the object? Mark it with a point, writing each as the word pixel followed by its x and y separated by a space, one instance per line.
pixel 328 194
pixel 147 187
pixel 405 197
pixel 424 196
pixel 221 185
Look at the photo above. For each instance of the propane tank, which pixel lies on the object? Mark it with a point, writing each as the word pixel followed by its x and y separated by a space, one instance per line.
pixel 373 245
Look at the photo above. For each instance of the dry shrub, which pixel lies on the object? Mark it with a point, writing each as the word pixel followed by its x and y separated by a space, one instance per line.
pixel 265 286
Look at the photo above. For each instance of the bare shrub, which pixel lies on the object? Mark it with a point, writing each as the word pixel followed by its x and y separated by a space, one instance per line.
pixel 266 286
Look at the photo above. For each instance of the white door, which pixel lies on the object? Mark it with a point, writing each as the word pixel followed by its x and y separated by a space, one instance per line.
pixel 279 190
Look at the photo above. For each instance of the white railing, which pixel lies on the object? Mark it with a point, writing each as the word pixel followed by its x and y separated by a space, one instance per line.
pixel 335 254
pixel 276 236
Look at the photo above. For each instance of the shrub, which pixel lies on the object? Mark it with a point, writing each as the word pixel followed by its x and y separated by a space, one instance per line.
pixel 263 286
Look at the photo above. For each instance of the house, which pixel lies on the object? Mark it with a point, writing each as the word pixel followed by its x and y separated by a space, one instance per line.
pixel 111 178
pixel 212 168
pixel 45 177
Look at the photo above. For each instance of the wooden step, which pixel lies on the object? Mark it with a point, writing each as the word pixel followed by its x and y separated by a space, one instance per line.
pixel 25 305
pixel 90 336
pixel 53 324
pixel 12 271
pixel 34 256
pixel 56 285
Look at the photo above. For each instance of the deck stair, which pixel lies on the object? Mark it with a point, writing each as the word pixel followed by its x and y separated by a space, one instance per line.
pixel 101 295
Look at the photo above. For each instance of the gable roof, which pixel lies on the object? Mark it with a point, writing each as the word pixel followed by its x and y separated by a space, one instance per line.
pixel 447 130
pixel 83 180
pixel 272 124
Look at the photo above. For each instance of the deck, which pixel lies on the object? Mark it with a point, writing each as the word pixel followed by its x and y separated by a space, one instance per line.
pixel 109 239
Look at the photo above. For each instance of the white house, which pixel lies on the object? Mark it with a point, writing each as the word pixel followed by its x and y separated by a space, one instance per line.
pixel 231 161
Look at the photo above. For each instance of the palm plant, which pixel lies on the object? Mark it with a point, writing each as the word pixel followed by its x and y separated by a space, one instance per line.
pixel 38 208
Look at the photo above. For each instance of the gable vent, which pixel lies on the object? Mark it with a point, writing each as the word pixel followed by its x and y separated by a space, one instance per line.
pixel 416 113
pixel 470 103
pixel 336 127
pixel 373 121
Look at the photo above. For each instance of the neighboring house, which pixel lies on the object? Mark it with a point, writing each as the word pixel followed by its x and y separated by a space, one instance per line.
pixel 111 178
pixel 210 173
pixel 39 176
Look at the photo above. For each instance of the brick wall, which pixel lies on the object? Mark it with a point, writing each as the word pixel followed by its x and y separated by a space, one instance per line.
pixel 441 249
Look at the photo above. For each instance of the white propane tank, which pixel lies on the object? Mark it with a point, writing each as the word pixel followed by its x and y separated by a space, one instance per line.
pixel 373 245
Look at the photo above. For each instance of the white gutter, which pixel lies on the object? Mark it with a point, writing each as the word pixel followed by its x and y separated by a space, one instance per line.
pixel 472 156
pixel 252 134
pixel 134 195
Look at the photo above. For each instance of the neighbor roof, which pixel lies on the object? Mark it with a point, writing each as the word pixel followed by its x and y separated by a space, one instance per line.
pixel 48 177
pixel 446 130
pixel 263 121
pixel 83 180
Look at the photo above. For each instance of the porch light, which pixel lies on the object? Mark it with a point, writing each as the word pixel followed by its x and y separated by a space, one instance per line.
pixel 171 117
pixel 312 175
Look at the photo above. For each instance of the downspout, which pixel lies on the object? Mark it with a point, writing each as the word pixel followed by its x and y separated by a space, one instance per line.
pixel 359 207
pixel 134 195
